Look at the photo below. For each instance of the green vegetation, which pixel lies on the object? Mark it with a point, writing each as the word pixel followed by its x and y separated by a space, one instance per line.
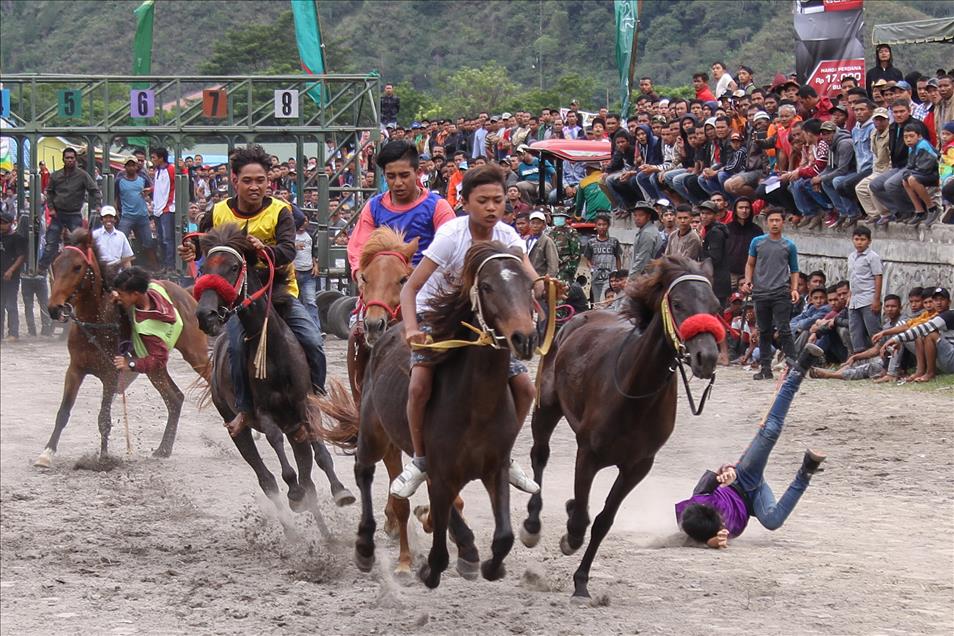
pixel 444 57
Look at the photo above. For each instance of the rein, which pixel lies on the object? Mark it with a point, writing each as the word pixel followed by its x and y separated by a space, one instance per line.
pixel 676 336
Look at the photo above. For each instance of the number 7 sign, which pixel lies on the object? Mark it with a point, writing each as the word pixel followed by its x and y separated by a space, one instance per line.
pixel 215 103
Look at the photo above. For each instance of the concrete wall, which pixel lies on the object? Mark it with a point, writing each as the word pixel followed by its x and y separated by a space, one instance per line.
pixel 912 257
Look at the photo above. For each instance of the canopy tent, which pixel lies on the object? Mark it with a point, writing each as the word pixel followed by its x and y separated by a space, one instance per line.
pixel 916 32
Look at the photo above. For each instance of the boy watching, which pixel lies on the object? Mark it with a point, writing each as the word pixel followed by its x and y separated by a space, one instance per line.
pixel 920 173
pixel 868 363
pixel 865 275
pixel 933 340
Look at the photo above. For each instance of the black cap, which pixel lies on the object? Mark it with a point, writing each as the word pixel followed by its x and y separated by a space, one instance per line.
pixel 940 291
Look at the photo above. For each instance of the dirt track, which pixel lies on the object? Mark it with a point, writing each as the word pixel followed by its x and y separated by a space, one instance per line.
pixel 189 545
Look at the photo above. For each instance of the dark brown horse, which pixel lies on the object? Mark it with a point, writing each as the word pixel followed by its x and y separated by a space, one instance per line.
pixel 613 377
pixel 283 398
pixel 81 290
pixel 470 424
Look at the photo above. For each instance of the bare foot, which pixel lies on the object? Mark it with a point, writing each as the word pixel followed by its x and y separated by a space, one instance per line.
pixel 885 378
pixel 237 425
pixel 924 377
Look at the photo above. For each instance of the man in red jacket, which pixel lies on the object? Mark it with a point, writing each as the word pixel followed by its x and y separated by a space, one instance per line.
pixel 812 106
pixel 700 82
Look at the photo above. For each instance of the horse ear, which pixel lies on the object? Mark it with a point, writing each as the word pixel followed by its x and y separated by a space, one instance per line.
pixel 707 268
pixel 410 249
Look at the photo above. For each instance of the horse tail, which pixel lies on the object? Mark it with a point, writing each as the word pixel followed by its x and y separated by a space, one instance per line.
pixel 200 390
pixel 339 405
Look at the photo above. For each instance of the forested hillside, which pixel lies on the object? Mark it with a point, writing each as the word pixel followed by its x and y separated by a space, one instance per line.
pixel 545 49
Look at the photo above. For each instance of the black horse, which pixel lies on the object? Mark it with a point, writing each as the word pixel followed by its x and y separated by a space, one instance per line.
pixel 284 404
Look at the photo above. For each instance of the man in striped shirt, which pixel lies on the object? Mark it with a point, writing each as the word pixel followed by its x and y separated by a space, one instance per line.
pixel 933 339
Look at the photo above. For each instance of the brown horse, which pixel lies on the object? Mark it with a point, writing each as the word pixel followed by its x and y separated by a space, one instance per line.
pixel 283 397
pixel 470 424
pixel 81 291
pixel 613 377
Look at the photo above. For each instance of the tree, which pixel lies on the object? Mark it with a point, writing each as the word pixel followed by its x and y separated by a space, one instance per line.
pixel 469 89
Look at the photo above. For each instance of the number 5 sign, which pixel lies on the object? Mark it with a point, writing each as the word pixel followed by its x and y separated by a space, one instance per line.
pixel 142 103
pixel 70 103
pixel 286 104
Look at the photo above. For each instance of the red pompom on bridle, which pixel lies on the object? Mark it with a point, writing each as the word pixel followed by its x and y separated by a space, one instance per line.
pixel 701 323
pixel 217 284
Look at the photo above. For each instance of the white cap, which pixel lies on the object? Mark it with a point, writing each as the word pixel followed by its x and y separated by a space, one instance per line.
pixel 710 122
pixel 506 116
pixel 107 210
pixel 538 215
pixel 664 202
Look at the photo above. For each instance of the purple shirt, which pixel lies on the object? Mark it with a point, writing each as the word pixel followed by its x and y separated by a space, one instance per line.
pixel 727 503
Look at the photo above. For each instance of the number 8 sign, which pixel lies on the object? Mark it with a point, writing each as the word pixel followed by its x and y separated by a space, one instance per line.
pixel 142 103
pixel 286 104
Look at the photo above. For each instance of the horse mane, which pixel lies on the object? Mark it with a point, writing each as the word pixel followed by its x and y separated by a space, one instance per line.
pixel 644 293
pixel 234 236
pixel 452 304
pixel 82 238
pixel 383 239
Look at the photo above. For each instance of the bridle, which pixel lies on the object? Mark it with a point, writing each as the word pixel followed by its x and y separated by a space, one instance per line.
pixel 231 293
pixel 676 335
pixel 394 313
pixel 475 300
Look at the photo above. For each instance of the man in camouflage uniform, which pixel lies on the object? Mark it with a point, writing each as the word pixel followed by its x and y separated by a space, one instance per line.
pixel 567 242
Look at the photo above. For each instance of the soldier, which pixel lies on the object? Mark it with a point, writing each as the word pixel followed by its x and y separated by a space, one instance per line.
pixel 567 242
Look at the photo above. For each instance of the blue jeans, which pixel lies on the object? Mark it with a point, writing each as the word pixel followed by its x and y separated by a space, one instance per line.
pixel 806 199
pixel 843 205
pixel 679 185
pixel 307 290
pixel 140 225
pixel 888 188
pixel 62 220
pixel 751 467
pixel 711 184
pixel 309 337
pixel 166 235
pixel 649 184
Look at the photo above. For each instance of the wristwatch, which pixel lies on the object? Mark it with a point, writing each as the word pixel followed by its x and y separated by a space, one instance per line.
pixel 132 365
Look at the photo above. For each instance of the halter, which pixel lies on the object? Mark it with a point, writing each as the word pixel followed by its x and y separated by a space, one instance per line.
pixel 677 335
pixel 394 313
pixel 230 292
pixel 89 258
pixel 475 300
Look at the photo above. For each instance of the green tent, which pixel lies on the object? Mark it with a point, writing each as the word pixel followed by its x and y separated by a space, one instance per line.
pixel 916 32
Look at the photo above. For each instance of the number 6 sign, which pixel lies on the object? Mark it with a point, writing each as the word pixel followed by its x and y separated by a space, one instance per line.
pixel 142 103
pixel 286 104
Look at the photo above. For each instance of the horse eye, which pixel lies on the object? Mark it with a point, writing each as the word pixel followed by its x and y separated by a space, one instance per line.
pixel 676 304
pixel 402 281
pixel 77 268
pixel 485 287
pixel 234 267
pixel 363 279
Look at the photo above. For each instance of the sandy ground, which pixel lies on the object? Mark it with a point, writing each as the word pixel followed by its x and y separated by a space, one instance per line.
pixel 189 545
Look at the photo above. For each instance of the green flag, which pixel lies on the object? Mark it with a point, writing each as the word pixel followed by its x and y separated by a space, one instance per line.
pixel 142 54
pixel 311 53
pixel 627 14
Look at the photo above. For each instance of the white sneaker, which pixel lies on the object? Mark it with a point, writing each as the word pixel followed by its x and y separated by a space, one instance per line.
pixel 520 480
pixel 407 483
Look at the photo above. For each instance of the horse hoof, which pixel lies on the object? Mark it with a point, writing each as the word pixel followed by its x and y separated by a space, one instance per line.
pixel 430 580
pixel 580 599
pixel 162 453
pixel 343 498
pixel 490 572
pixel 468 570
pixel 565 546
pixel 364 563
pixel 529 539
pixel 45 460
pixel 402 572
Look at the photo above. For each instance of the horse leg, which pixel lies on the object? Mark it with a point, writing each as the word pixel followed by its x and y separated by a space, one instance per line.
pixel 71 385
pixel 543 424
pixel 577 509
pixel 364 544
pixel 266 480
pixel 173 399
pixel 468 558
pixel 341 495
pixel 441 498
pixel 498 486
pixel 105 411
pixel 397 512
pixel 392 461
pixel 627 479
pixel 304 456
pixel 276 439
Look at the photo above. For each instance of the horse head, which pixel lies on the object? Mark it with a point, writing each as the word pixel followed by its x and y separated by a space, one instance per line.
pixel 494 291
pixel 384 268
pixel 680 291
pixel 228 257
pixel 76 268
